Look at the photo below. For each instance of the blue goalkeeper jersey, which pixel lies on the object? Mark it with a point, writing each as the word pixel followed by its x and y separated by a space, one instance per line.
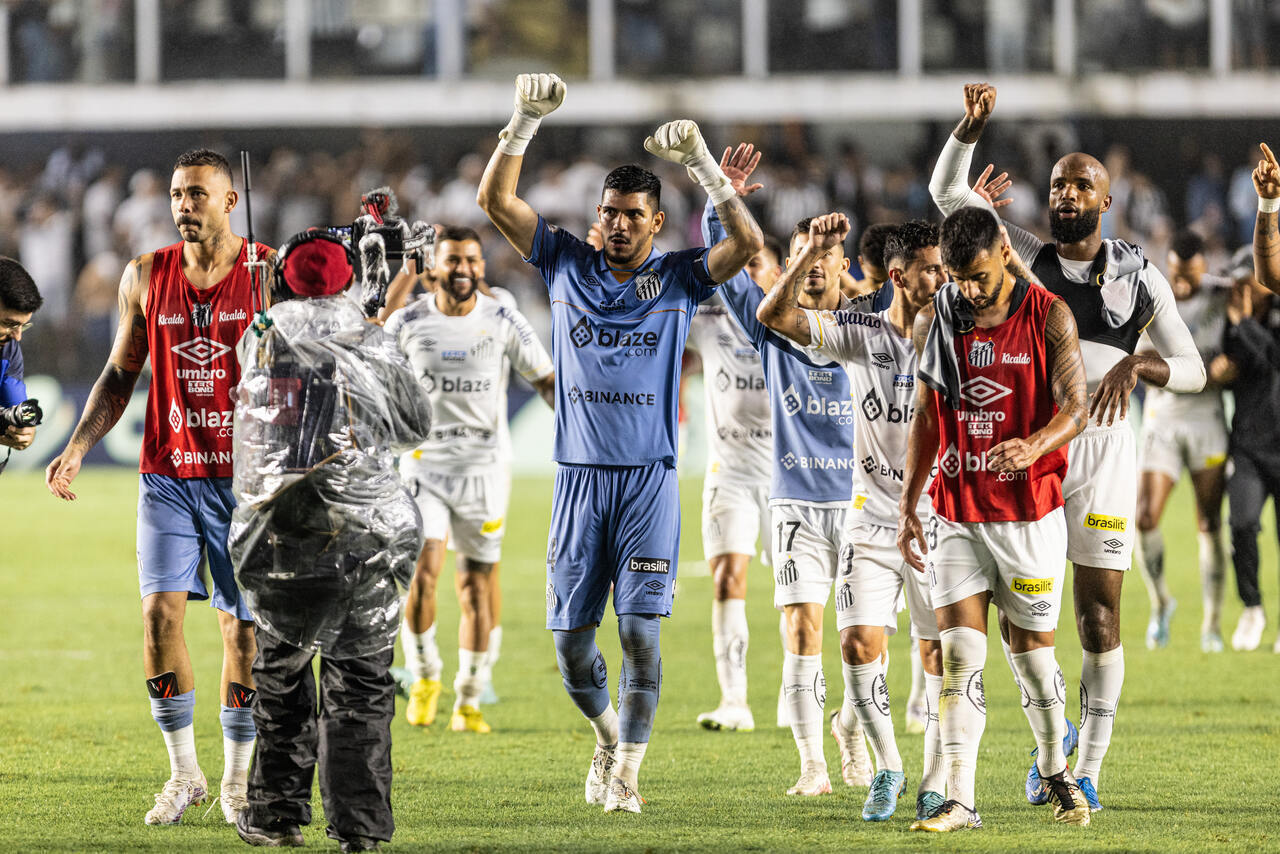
pixel 617 348
pixel 809 400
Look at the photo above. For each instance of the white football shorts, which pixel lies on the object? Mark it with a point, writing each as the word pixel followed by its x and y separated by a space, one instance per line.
pixel 734 517
pixel 466 510
pixel 873 580
pixel 805 547
pixel 1100 493
pixel 1197 443
pixel 1021 563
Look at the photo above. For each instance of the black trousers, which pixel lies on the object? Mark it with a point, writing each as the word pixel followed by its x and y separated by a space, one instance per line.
pixel 1251 484
pixel 347 729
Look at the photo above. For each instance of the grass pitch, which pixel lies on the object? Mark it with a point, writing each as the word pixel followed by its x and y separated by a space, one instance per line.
pixel 1191 767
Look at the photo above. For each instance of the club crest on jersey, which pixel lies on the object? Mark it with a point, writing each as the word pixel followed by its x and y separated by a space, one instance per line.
pixel 201 314
pixel 982 354
pixel 483 349
pixel 647 285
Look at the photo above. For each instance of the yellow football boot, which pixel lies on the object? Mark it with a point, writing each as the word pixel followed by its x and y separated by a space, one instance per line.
pixel 468 719
pixel 424 702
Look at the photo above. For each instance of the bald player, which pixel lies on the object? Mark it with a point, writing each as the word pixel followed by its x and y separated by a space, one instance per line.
pixel 1114 294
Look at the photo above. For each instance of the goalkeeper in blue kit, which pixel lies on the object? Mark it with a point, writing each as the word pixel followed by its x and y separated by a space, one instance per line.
pixel 620 317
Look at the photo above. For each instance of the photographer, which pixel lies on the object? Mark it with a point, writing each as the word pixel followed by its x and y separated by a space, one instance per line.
pixel 323 534
pixel 19 300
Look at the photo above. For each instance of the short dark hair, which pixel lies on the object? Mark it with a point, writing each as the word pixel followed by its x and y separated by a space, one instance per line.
pixel 871 244
pixel 774 247
pixel 204 157
pixel 966 233
pixel 18 291
pixel 802 227
pixel 458 233
pixel 908 239
pixel 1187 244
pixel 634 179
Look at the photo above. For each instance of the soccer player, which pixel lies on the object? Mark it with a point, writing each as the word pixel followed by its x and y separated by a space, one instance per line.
pixel 874 270
pixel 1187 430
pixel 186 306
pixel 462 345
pixel 423 708
pixel 735 491
pixel 812 416
pixel 1113 294
pixel 1002 392
pixel 877 353
pixel 620 318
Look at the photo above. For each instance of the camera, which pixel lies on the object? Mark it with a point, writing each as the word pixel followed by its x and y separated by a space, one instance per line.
pixel 20 415
pixel 377 237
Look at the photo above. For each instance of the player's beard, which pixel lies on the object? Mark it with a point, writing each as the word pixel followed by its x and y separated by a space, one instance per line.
pixel 460 288
pixel 1074 230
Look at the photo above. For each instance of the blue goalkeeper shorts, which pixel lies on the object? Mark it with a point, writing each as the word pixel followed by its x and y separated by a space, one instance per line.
pixel 179 520
pixel 613 526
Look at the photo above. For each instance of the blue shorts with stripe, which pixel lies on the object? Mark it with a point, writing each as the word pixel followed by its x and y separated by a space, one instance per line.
pixel 613 526
pixel 181 519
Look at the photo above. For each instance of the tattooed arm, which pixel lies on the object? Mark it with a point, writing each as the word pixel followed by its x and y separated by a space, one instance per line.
pixel 111 393
pixel 1266 230
pixel 922 450
pixel 743 239
pixel 1066 381
pixel 780 309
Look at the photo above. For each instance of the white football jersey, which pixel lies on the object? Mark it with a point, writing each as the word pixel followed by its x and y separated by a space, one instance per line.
pixel 740 438
pixel 463 364
pixel 882 380
pixel 1205 313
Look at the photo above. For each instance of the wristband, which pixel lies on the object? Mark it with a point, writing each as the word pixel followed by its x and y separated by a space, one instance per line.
pixel 1266 205
pixel 514 138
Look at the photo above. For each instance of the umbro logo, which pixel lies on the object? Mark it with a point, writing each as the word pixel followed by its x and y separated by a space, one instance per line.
pixel 655 584
pixel 1113 543
pixel 201 350
pixel 882 360
pixel 983 392
pixel 1040 605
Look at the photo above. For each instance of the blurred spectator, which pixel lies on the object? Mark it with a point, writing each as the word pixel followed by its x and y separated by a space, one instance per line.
pixel 94 309
pixel 98 207
pixel 142 222
pixel 46 249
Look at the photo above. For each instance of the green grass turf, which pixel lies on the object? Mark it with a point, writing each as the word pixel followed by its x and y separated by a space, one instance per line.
pixel 1191 767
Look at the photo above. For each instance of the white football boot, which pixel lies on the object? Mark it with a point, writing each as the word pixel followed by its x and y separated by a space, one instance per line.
pixel 599 773
pixel 728 716
pixel 855 759
pixel 174 799
pixel 813 781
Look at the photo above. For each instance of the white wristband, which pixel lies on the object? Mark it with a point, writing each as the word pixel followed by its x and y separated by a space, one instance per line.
pixel 708 174
pixel 514 138
pixel 1266 205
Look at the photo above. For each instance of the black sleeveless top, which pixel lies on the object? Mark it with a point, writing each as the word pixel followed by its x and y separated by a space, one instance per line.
pixel 1085 301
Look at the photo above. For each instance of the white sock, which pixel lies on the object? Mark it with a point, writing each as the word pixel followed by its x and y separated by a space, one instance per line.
pixel 1212 579
pixel 962 709
pixel 1008 658
pixel 235 761
pixel 181 744
pixel 606 726
pixel 1151 562
pixel 934 776
pixel 495 646
pixel 784 712
pixel 916 700
pixel 1101 677
pixel 1044 706
pixel 867 696
pixel 469 684
pixel 806 689
pixel 729 641
pixel 627 764
pixel 421 654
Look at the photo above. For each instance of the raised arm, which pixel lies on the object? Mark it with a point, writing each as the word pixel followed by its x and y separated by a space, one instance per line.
pixel 111 393
pixel 1266 229
pixel 536 96
pixel 949 184
pixel 922 450
pixel 1066 379
pixel 681 142
pixel 780 309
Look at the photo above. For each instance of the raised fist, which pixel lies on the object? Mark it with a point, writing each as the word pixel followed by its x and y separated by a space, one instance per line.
pixel 828 231
pixel 979 101
pixel 537 95
pixel 678 141
pixel 1266 178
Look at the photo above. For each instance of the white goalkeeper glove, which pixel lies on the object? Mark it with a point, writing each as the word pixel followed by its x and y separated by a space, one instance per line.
pixel 537 95
pixel 681 142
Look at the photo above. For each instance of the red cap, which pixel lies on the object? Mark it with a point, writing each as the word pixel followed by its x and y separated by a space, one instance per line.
pixel 317 268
